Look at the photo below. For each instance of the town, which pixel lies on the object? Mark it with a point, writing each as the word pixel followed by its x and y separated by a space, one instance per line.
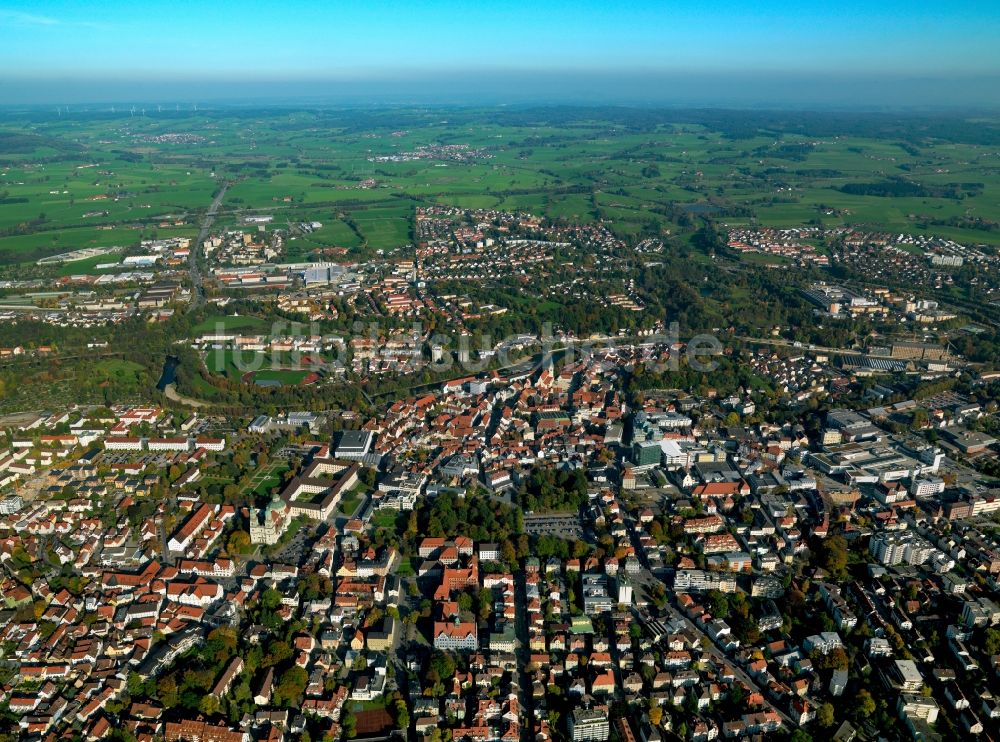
pixel 553 553
pixel 421 424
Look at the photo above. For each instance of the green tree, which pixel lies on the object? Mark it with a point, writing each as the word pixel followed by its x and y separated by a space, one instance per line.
pixel 655 715
pixel 166 691
pixel 718 604
pixel 442 664
pixel 349 726
pixel 991 642
pixel 291 685
pixel 864 704
pixel 402 715
pixel 270 599
pixel 209 705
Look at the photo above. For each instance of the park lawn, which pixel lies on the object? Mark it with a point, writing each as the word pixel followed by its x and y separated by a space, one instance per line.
pixel 405 568
pixel 121 371
pixel 267 485
pixel 348 503
pixel 272 477
pixel 200 387
pixel 385 518
pixel 350 500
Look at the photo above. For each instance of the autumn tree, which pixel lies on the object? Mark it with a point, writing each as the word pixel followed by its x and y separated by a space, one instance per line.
pixel 655 715
pixel 834 556
pixel 238 543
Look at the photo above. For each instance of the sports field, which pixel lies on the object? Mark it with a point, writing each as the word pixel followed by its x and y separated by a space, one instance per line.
pixel 231 323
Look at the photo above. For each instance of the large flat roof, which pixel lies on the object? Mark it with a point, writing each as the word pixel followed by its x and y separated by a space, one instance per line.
pixel 355 439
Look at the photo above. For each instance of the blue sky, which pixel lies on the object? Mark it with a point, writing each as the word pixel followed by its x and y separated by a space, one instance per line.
pixel 380 40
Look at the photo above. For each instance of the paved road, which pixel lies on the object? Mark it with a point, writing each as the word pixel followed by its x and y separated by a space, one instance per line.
pixel 523 653
pixel 197 282
pixel 165 553
pixel 720 657
pixel 645 581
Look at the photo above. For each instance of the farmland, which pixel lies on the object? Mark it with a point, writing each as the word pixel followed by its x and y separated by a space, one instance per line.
pixel 108 180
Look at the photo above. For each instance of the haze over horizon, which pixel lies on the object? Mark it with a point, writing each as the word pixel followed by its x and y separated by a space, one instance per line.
pixel 809 54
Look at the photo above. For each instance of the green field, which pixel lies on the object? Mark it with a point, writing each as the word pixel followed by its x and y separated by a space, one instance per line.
pixel 94 195
pixel 233 363
pixel 88 265
pixel 93 181
pixel 120 371
pixel 268 484
pixel 270 366
pixel 349 501
pixel 268 478
pixel 231 323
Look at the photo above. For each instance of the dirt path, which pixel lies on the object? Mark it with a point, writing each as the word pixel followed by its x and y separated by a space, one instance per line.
pixel 170 391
